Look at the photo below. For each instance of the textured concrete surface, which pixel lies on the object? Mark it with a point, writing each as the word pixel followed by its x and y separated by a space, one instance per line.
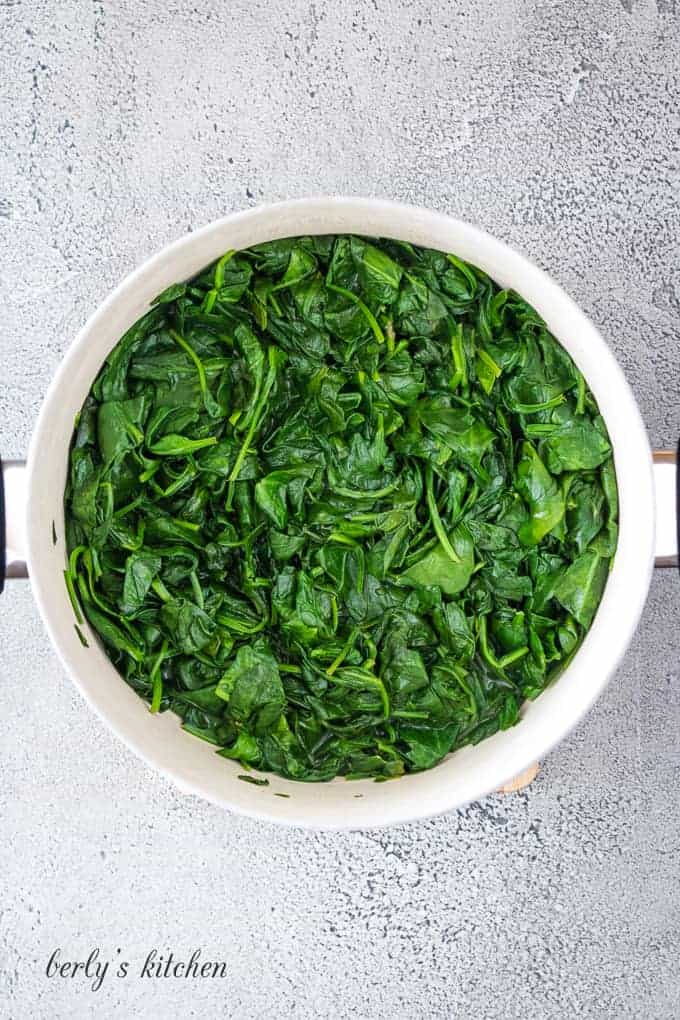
pixel 555 125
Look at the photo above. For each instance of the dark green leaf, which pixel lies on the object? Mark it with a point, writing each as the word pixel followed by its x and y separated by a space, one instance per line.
pixel 339 503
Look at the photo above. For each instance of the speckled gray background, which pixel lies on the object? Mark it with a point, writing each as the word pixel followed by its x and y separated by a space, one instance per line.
pixel 553 123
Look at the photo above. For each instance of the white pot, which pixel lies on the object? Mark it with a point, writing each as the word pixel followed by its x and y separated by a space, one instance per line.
pixel 469 773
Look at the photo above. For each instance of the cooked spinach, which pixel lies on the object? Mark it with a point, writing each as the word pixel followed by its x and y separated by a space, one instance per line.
pixel 341 504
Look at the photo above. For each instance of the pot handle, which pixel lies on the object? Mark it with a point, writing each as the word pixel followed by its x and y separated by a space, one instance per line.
pixel 667 499
pixel 12 520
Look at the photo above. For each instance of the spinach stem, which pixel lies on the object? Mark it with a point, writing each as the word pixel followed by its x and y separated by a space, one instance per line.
pixel 273 355
pixel 157 679
pixel 194 357
pixel 365 310
pixel 210 404
pixel 218 278
pixel 69 574
pixel 346 649
pixel 459 377
pixel 581 397
pixel 160 589
pixel 436 519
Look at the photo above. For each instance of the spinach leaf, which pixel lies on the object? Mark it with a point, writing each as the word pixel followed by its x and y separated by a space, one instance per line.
pixel 580 588
pixel 437 568
pixel 140 571
pixel 188 626
pixel 340 503
pixel 252 687
pixel 542 495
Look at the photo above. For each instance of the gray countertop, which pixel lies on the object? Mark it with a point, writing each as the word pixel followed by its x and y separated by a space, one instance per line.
pixel 556 126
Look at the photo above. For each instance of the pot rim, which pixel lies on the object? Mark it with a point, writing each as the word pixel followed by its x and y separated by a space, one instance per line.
pixel 468 774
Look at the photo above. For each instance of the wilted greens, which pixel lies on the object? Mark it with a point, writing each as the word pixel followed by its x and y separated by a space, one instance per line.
pixel 341 504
